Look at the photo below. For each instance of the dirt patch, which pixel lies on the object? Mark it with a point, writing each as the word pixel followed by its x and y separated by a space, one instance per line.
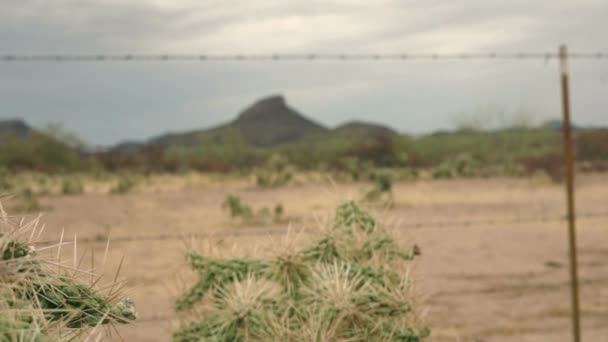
pixel 485 281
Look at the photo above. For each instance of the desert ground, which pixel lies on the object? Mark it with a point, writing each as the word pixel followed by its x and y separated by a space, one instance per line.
pixel 494 263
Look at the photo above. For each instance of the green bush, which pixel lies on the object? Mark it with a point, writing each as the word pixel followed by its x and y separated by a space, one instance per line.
pixel 125 184
pixel 236 208
pixel 383 185
pixel 274 173
pixel 355 168
pixel 462 165
pixel 5 183
pixel 38 152
pixel 348 284
pixel 239 210
pixel 279 211
pixel 26 201
pixel 72 186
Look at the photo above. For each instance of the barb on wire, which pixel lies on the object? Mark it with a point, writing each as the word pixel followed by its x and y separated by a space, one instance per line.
pixel 295 57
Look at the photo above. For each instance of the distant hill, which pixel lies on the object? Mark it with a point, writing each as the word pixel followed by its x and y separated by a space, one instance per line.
pixel 271 122
pixel 363 129
pixel 14 127
pixel 266 123
pixel 557 125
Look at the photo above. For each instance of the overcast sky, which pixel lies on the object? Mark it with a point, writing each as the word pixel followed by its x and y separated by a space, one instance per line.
pixel 110 102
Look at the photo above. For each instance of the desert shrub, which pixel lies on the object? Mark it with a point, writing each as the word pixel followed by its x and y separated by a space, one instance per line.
pixel 267 216
pixel 239 210
pixel 593 166
pixel 349 283
pixel 124 184
pixel 223 150
pixel 72 186
pixel 407 173
pixel 550 164
pixel 236 208
pixel 274 173
pixel 592 144
pixel 488 147
pixel 383 185
pixel 42 300
pixel 37 152
pixel 26 201
pixel 462 165
pixel 5 183
pixel 279 210
pixel 378 149
pixel 352 166
pixel 355 168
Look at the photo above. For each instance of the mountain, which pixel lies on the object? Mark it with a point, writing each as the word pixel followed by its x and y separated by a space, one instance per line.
pixel 266 123
pixel 363 130
pixel 271 121
pixel 14 127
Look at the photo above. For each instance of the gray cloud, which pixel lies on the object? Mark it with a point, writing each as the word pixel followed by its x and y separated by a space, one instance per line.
pixel 108 102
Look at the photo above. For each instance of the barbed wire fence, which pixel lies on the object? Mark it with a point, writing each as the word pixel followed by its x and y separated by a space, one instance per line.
pixel 367 57
pixel 265 231
pixel 562 56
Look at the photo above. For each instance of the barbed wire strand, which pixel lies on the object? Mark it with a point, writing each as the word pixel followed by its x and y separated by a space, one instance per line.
pixel 600 55
pixel 274 232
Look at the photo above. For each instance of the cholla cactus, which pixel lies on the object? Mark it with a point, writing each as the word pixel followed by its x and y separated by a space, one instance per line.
pixel 346 285
pixel 43 301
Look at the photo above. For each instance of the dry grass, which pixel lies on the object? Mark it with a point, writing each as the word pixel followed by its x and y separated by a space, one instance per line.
pixel 469 273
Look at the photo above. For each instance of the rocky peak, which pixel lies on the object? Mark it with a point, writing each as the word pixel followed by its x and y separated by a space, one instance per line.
pixel 266 108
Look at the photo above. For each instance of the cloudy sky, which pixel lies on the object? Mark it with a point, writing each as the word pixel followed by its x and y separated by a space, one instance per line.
pixel 113 101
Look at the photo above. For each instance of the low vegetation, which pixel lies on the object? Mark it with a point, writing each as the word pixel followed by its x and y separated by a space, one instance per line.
pixel 240 211
pixel 124 184
pixel 349 284
pixel 346 154
pixel 38 152
pixel 5 184
pixel 382 187
pixel 236 208
pixel 72 186
pixel 26 201
pixel 274 173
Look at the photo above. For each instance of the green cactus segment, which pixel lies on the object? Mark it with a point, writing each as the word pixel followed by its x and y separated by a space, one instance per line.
pixel 349 216
pixel 39 301
pixel 325 250
pixel 340 287
pixel 216 274
pixel 16 250
pixel 78 306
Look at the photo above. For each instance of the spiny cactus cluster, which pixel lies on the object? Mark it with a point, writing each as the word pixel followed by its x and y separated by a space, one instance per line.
pixel 349 284
pixel 43 301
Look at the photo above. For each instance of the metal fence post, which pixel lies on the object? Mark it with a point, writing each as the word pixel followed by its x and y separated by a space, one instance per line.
pixel 569 173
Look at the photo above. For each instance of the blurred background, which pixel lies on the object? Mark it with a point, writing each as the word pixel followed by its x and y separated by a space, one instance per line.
pixel 149 121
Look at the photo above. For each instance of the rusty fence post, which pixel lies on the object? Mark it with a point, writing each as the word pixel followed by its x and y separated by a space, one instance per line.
pixel 569 173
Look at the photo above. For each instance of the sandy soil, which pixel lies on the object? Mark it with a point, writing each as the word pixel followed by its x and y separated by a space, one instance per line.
pixel 504 278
